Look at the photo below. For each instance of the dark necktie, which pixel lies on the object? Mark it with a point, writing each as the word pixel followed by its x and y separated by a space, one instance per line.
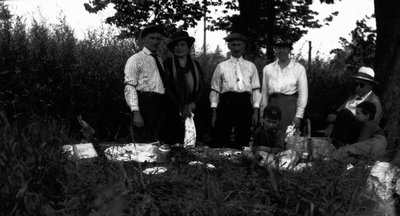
pixel 159 67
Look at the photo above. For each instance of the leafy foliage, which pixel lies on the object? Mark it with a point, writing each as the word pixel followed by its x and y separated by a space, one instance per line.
pixel 262 21
pixel 131 16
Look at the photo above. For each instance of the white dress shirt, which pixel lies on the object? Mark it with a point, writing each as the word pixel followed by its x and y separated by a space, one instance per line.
pixel 235 75
pixel 353 102
pixel 141 74
pixel 287 80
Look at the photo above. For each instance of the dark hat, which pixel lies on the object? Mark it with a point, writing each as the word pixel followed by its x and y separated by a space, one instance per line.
pixel 284 43
pixel 179 36
pixel 235 36
pixel 272 112
pixel 151 29
pixel 367 74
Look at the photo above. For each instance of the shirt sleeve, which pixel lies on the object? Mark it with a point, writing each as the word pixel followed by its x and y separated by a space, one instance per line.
pixel 264 91
pixel 302 90
pixel 255 86
pixel 131 96
pixel 215 87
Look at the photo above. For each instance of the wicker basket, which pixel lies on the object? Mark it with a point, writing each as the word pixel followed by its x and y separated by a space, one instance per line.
pixel 319 146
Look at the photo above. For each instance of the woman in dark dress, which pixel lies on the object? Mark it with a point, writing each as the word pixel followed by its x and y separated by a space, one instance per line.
pixel 184 86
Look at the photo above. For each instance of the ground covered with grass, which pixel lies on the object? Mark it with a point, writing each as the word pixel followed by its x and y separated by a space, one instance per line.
pixel 38 179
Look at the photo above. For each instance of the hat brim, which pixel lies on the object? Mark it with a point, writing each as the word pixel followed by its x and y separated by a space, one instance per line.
pixel 189 40
pixel 366 79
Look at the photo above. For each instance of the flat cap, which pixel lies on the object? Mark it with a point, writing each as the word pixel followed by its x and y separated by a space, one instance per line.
pixel 235 36
pixel 152 29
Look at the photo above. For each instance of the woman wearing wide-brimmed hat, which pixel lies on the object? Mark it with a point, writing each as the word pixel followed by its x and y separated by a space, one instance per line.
pixel 184 85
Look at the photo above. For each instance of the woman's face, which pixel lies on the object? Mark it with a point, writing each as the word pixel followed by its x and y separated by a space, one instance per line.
pixel 181 48
pixel 282 52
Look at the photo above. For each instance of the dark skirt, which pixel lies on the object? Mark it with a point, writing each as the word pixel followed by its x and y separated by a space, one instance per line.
pixel 288 106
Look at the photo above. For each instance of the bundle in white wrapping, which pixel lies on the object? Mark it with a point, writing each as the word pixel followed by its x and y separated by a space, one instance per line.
pixel 190 133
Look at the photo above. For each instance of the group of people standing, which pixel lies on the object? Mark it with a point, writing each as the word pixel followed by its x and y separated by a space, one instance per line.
pixel 162 95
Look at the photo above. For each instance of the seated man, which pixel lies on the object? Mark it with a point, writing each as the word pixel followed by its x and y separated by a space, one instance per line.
pixel 268 136
pixel 344 127
pixel 371 141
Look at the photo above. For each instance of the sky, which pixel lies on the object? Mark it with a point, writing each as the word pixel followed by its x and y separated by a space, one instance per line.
pixel 323 39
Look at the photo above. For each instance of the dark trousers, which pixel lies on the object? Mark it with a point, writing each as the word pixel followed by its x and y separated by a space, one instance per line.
pixel 152 109
pixel 234 112
pixel 346 128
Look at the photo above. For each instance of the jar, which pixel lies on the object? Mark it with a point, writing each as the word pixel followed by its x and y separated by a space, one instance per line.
pixel 164 154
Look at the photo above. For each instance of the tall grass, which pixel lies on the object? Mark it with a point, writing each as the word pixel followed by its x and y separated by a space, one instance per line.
pixel 48 77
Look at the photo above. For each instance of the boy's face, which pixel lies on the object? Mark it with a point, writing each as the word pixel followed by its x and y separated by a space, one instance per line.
pixel 269 124
pixel 360 116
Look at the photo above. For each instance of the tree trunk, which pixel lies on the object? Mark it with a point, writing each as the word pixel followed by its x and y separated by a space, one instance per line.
pixel 387 67
pixel 249 24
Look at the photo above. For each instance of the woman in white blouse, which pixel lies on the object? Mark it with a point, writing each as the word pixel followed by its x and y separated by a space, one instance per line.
pixel 285 86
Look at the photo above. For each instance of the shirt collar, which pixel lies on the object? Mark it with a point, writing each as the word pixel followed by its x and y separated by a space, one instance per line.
pixel 234 60
pixel 290 65
pixel 147 51
pixel 365 96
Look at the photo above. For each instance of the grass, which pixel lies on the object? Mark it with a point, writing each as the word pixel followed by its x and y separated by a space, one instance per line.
pixel 38 179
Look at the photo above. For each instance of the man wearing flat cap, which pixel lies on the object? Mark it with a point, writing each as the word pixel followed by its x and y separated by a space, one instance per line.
pixel 235 96
pixel 344 128
pixel 144 88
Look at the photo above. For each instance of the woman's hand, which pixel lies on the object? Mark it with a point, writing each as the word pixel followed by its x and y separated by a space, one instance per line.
pixel 297 122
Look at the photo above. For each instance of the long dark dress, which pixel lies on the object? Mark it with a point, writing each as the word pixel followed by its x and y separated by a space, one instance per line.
pixel 184 85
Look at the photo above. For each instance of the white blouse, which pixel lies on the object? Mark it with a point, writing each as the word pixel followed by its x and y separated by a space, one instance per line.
pixel 235 75
pixel 141 74
pixel 289 80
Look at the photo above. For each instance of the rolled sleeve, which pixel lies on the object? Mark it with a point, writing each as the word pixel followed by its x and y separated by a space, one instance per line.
pixel 130 81
pixel 255 86
pixel 215 87
pixel 302 90
pixel 264 91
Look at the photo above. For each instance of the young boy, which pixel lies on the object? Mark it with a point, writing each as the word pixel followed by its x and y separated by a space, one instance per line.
pixel 371 142
pixel 268 136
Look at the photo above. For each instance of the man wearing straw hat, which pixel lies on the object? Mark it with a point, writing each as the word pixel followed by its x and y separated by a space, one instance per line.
pixel 344 127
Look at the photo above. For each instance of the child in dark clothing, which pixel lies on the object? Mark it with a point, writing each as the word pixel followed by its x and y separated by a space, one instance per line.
pixel 268 136
pixel 371 141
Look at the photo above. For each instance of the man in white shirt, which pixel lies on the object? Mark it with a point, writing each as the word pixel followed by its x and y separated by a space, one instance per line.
pixel 235 96
pixel 344 127
pixel 285 85
pixel 144 88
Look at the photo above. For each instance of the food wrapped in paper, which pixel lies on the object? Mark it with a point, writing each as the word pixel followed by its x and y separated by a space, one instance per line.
pixel 139 152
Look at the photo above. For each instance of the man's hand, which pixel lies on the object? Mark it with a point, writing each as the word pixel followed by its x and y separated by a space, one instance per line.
pixel 137 119
pixel 254 120
pixel 297 122
pixel 213 116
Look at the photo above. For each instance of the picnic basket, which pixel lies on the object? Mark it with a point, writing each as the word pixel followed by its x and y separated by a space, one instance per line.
pixel 319 147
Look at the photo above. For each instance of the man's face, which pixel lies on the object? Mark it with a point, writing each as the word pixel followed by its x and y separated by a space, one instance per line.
pixel 152 41
pixel 362 87
pixel 237 48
